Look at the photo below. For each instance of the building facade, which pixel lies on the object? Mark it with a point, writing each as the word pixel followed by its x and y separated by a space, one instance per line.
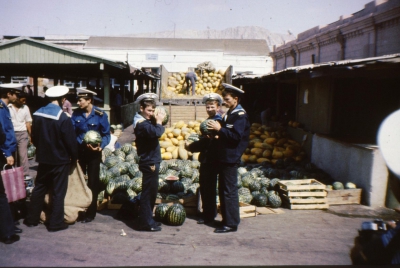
pixel 371 32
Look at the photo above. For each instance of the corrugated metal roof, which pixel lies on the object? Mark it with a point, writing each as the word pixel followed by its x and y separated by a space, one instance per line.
pixel 43 44
pixel 356 63
pixel 250 47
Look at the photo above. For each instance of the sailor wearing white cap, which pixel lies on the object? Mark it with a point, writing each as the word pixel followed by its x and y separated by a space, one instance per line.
pixel 148 129
pixel 89 117
pixel 8 146
pixel 53 136
pixel 233 139
pixel 208 146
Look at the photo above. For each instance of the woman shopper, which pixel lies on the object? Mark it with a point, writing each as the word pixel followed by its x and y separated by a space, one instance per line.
pixel 233 138
pixel 89 117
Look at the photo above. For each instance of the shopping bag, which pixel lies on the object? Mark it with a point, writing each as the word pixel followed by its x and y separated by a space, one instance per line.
pixel 14 184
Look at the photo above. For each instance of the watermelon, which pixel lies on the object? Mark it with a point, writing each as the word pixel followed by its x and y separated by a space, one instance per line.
pixel 111 161
pixel 350 185
pixel 127 148
pixel 166 118
pixel 160 212
pixel 92 137
pixel 274 200
pixel 245 198
pixel 204 130
pixel 119 126
pixel 176 215
pixel 254 185
pixel 163 167
pixel 107 152
pixel 172 197
pixel 337 185
pixel 177 187
pixel 193 137
pixel 260 200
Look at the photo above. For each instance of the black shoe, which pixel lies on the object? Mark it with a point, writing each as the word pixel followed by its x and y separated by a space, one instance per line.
pixel 86 220
pixel 17 230
pixel 65 226
pixel 158 223
pixel 30 224
pixel 225 229
pixel 10 239
pixel 16 223
pixel 201 221
pixel 151 229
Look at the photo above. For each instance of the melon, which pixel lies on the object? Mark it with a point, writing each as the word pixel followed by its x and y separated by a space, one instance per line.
pixel 92 137
pixel 166 118
pixel 203 128
pixel 337 185
pixel 160 212
pixel 350 185
pixel 176 215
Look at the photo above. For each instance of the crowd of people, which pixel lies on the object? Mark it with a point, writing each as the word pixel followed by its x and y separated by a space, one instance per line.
pixel 58 133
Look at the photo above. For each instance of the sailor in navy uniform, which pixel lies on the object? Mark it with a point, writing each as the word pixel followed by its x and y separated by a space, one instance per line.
pixel 148 129
pixel 207 146
pixel 233 138
pixel 55 140
pixel 8 146
pixel 89 117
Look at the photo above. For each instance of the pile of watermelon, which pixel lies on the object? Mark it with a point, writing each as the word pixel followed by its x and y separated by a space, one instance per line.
pixel 121 178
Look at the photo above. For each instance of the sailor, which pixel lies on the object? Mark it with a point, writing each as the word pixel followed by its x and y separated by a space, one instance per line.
pixel 148 129
pixel 89 117
pixel 207 146
pixel 53 136
pixel 233 138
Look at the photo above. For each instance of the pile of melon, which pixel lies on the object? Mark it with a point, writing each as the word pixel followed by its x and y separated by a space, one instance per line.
pixel 269 144
pixel 172 142
pixel 207 82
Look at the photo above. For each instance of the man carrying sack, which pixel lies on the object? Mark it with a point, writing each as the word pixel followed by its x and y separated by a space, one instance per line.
pixel 8 93
pixel 54 137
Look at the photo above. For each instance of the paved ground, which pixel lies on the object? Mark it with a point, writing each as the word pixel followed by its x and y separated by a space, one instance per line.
pixel 296 237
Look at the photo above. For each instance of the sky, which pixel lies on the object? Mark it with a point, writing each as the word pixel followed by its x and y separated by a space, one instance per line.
pixel 124 17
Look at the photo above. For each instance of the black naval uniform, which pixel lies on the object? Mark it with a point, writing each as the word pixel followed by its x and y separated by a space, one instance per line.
pixel 208 173
pixel 232 142
pixel 90 160
pixel 53 136
pixel 148 149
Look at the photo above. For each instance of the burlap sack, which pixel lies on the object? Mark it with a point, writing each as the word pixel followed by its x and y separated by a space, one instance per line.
pixel 78 197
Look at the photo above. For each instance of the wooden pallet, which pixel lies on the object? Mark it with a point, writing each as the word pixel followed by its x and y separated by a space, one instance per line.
pixel 102 205
pixel 302 195
pixel 344 197
pixel 189 203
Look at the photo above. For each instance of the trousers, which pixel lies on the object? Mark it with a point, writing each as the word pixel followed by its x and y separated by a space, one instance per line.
pixel 228 194
pixel 90 164
pixel 55 178
pixel 149 194
pixel 208 190
pixel 22 150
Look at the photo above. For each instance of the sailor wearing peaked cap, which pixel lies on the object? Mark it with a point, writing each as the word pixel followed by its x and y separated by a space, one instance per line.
pixel 212 96
pixel 83 92
pixel 11 87
pixel 85 118
pixel 233 138
pixel 146 96
pixel 232 88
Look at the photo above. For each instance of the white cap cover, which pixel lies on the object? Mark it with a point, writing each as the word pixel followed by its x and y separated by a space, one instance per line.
pixel 57 91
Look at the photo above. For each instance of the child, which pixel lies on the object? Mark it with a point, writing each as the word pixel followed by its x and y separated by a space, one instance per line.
pixel 113 142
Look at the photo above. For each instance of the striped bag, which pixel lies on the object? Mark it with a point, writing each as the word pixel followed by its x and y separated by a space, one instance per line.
pixel 14 184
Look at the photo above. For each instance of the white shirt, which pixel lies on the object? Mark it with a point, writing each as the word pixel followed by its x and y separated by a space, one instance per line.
pixel 111 145
pixel 20 118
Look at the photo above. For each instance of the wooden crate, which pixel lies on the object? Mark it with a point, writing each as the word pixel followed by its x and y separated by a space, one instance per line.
pixel 343 197
pixel 111 205
pixel 296 196
pixel 246 210
pixel 102 205
pixel 189 203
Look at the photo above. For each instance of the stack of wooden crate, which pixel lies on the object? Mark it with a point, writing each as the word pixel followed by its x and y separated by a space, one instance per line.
pixel 303 194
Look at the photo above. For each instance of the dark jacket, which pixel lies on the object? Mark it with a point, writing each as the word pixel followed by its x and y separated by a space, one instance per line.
pixel 53 136
pixel 147 144
pixel 10 144
pixel 208 148
pixel 233 136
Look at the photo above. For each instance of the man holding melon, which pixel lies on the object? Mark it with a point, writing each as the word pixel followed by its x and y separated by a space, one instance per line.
pixel 233 138
pixel 207 146
pixel 93 134
pixel 148 129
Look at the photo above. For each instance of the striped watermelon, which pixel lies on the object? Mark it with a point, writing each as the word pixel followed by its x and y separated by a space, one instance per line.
pixel 176 215
pixel 160 212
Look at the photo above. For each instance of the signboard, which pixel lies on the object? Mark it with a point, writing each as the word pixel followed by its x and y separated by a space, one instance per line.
pixel 151 56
